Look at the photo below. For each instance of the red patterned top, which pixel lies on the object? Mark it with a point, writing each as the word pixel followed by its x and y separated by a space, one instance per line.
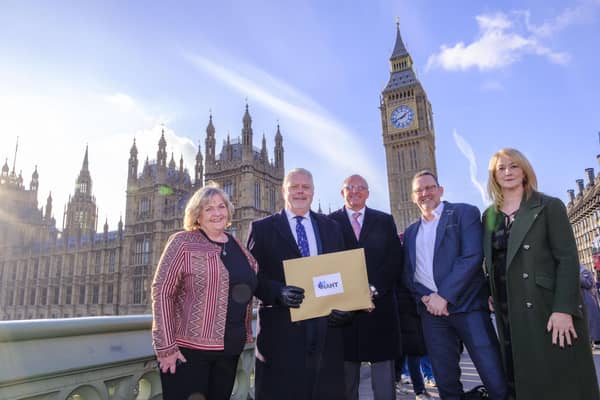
pixel 190 293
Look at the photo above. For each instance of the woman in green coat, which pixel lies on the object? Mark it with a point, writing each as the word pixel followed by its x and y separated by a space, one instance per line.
pixel 533 268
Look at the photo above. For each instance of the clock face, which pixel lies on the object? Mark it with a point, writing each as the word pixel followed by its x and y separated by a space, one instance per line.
pixel 402 116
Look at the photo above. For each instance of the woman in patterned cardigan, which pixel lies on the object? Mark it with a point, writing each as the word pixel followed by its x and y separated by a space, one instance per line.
pixel 201 302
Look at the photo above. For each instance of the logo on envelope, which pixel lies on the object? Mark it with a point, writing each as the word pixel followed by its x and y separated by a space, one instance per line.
pixel 326 285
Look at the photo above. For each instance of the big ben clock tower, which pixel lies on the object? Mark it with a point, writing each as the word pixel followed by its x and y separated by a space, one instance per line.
pixel 408 135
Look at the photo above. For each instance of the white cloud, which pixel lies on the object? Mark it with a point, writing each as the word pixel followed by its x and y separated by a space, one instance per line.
pixel 124 102
pixel 311 127
pixel 504 39
pixel 466 149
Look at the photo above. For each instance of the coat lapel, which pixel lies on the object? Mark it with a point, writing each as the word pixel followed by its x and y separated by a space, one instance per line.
pixel 346 225
pixel 525 217
pixel 366 226
pixel 441 228
pixel 488 231
pixel 283 229
pixel 411 240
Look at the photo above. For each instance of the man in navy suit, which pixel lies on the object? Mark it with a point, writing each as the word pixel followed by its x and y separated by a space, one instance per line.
pixel 372 336
pixel 295 360
pixel 443 269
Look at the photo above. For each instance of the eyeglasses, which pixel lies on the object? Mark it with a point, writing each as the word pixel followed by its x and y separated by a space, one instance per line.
pixel 426 189
pixel 358 188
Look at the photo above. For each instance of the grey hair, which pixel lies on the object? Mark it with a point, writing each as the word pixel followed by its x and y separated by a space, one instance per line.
pixel 295 171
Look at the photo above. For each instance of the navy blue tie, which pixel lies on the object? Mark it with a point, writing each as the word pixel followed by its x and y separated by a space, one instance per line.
pixel 302 239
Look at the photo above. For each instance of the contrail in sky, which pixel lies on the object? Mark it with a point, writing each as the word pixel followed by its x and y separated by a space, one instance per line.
pixel 318 126
pixel 467 151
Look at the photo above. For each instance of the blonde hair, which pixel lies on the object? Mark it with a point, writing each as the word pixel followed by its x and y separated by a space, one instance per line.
pixel 529 178
pixel 194 207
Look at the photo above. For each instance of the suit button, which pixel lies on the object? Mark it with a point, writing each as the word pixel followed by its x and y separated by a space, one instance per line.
pixel 529 305
pixel 580 306
pixel 525 275
pixel 526 246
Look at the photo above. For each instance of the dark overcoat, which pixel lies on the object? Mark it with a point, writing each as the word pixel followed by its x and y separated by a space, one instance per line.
pixel 374 336
pixel 542 277
pixel 295 360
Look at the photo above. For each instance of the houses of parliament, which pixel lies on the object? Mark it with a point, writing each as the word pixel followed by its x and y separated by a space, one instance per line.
pixel 80 270
pixel 48 273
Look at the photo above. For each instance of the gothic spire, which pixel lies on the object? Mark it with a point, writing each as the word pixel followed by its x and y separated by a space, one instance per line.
pixel 209 142
pixel 15 158
pixel 263 150
pixel 247 136
pixel 132 165
pixel 34 184
pixel 84 167
pixel 83 185
pixel 133 152
pixel 399 48
pixel 247 119
pixel 279 150
pixel 48 214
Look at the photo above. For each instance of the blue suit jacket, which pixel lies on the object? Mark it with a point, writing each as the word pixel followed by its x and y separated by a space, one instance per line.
pixel 457 260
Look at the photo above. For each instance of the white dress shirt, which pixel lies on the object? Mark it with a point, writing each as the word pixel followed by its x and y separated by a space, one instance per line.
pixel 308 227
pixel 425 246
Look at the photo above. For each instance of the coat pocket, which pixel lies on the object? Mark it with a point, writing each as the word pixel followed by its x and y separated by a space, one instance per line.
pixel 545 281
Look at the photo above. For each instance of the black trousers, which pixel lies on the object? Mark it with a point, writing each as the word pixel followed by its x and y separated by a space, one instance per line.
pixel 207 375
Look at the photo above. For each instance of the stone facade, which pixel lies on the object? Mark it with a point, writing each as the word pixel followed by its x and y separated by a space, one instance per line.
pixel 408 133
pixel 583 209
pixel 48 273
pixel 45 273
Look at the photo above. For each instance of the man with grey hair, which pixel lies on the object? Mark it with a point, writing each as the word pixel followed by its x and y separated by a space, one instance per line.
pixel 295 360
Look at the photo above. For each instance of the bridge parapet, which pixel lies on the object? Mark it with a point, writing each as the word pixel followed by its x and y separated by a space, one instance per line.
pixel 89 358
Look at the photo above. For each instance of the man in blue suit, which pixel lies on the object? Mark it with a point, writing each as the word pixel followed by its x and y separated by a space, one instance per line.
pixel 443 269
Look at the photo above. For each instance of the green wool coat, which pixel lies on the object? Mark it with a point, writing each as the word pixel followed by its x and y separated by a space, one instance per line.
pixel 542 277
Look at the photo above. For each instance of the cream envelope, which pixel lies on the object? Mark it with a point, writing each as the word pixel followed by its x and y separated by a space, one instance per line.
pixel 330 281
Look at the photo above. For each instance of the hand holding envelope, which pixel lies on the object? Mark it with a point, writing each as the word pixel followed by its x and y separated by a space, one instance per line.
pixel 291 296
pixel 333 281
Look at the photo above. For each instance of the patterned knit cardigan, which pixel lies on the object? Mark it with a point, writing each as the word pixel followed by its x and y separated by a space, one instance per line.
pixel 190 293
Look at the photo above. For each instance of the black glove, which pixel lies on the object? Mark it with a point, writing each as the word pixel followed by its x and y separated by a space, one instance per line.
pixel 340 318
pixel 291 296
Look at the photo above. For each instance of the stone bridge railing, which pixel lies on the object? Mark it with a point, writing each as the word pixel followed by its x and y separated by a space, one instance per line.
pixel 90 358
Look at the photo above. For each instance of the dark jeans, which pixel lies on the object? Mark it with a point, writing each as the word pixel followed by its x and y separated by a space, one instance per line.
pixel 414 370
pixel 207 375
pixel 443 336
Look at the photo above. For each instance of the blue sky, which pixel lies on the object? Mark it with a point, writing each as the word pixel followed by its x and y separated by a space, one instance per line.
pixel 498 73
